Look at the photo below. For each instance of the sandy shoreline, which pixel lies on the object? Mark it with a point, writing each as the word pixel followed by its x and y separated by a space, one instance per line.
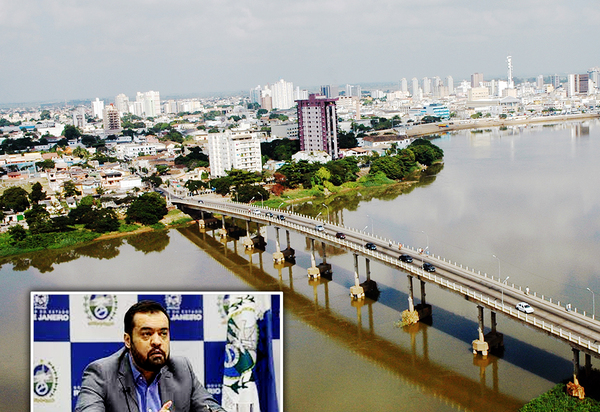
pixel 427 129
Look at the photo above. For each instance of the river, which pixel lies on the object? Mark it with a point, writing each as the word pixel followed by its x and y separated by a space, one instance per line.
pixel 525 195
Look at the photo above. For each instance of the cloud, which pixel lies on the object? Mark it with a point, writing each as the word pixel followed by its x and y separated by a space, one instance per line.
pixel 194 46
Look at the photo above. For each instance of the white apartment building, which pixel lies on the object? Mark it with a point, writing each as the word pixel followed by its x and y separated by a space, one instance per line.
pixel 122 103
pixel 234 149
pixel 149 103
pixel 133 150
pixel 98 108
pixel 282 94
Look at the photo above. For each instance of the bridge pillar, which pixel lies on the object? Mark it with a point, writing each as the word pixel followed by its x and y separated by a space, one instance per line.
pixel 479 344
pixel 423 309
pixel 223 230
pixel 370 286
pixel 588 364
pixel 313 270
pixel 277 256
pixel 356 292
pixel 411 298
pixel 324 267
pixel 289 254
pixel 248 243
pixel 575 363
pixel 201 221
pixel 494 338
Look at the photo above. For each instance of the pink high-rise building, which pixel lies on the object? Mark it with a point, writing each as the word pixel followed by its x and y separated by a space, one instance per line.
pixel 317 125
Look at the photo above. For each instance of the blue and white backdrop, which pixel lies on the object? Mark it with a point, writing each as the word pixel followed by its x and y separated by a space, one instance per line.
pixel 216 331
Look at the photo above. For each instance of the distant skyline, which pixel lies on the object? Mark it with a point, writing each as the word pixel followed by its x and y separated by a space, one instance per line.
pixel 56 50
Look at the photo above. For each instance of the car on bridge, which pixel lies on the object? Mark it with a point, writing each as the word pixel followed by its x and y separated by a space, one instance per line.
pixel 269 214
pixel 428 267
pixel 281 217
pixel 524 307
pixel 405 258
pixel 340 235
pixel 371 246
pixel 319 228
pixel 256 211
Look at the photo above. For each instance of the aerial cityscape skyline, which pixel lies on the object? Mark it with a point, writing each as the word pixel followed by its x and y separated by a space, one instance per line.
pixel 60 51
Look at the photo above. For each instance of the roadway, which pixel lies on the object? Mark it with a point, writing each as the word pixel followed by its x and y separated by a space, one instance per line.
pixel 578 330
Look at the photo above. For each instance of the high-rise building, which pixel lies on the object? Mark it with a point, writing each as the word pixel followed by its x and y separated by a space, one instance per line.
pixel 476 79
pixel 540 82
pixel 97 108
pixel 79 119
pixel 572 85
pixel 255 95
pixel 556 81
pixel 111 120
pixel 317 125
pixel 330 91
pixel 282 94
pixel 594 75
pixel 583 83
pixel 353 91
pixel 403 85
pixel 234 150
pixel 450 84
pixel 122 103
pixel 511 83
pixel 415 87
pixel 300 94
pixel 426 86
pixel 150 103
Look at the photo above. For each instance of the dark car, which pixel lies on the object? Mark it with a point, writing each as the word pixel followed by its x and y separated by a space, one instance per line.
pixel 340 235
pixel 269 214
pixel 281 217
pixel 428 267
pixel 371 246
pixel 406 258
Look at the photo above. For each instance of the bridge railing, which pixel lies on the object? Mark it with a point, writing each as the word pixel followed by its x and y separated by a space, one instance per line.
pixel 477 296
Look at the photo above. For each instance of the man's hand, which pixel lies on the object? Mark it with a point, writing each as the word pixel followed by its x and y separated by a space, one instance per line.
pixel 166 407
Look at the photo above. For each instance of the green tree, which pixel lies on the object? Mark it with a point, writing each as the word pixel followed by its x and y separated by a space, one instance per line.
pixel 46 164
pixel 104 220
pixel 37 194
pixel 425 152
pixel 45 115
pixel 154 180
pixel 194 185
pixel 38 220
pixel 147 209
pixel 249 192
pixel 17 233
pixel 15 198
pixel 81 152
pixel 260 112
pixel 69 189
pixel 71 132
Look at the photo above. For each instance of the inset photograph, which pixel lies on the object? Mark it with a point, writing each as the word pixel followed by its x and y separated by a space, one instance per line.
pixel 148 351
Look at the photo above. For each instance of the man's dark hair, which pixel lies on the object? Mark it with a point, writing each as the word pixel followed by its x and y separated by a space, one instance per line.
pixel 143 306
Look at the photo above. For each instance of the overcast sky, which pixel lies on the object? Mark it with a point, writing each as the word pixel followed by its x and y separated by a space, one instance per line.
pixel 79 49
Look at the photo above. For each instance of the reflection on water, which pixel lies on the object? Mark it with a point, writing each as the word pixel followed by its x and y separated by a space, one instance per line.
pixel 412 365
pixel 44 260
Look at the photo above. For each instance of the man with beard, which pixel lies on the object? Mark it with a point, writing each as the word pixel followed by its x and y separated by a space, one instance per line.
pixel 142 376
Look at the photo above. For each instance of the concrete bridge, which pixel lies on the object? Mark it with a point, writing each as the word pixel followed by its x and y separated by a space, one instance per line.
pixel 580 330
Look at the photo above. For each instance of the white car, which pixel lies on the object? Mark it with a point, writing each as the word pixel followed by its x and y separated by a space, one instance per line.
pixel 524 307
pixel 256 212
pixel 319 228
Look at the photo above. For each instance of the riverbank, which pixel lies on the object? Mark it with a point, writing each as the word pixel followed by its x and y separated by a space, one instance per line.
pixel 63 240
pixel 434 128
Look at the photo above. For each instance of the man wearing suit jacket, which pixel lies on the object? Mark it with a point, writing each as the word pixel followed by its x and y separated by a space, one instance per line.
pixel 142 376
